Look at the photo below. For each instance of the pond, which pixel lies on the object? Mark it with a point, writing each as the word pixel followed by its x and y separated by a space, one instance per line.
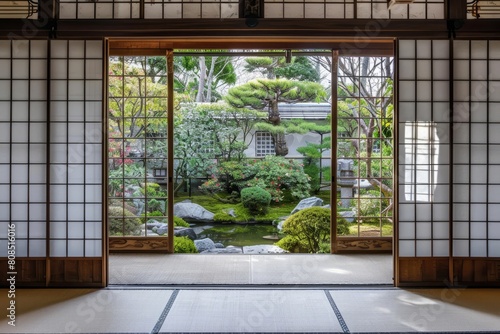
pixel 238 235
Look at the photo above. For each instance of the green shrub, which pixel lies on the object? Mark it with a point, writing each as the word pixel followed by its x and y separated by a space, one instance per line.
pixel 342 226
pixel 178 221
pixel 292 244
pixel 256 200
pixel 123 222
pixel 310 226
pixel 184 245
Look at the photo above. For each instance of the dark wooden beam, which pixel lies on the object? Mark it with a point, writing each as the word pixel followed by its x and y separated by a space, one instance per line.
pixel 456 9
pixel 358 31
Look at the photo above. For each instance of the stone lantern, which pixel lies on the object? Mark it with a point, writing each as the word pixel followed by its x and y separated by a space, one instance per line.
pixel 345 180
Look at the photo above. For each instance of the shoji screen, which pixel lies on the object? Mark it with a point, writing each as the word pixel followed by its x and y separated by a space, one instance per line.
pixel 424 161
pixel 51 161
pixel 476 192
pixel 229 9
pixel 76 81
pixel 23 114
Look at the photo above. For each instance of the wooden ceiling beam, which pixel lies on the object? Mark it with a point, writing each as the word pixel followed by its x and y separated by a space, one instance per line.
pixel 357 30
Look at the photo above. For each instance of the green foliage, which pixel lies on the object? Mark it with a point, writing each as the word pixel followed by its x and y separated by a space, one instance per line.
pixel 178 221
pixel 123 222
pixel 277 174
pixel 184 245
pixel 256 200
pixel 223 217
pixel 292 244
pixel 255 93
pixel 308 231
pixel 274 174
pixel 123 177
pixel 342 226
pixel 310 226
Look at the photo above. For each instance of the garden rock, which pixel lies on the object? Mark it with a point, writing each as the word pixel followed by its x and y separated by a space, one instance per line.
pixel 231 212
pixel 152 223
pixel 192 212
pixel 347 215
pixel 263 249
pixel 163 229
pixel 185 232
pixel 204 244
pixel 227 250
pixel 307 203
pixel 219 245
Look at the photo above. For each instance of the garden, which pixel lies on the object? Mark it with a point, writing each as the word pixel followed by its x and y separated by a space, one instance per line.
pixel 251 174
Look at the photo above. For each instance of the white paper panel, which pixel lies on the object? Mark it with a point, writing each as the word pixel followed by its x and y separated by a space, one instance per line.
pixel 19 173
pixel 406 248
pixel 406 230
pixel 478 193
pixel 58 248
pixel 494 248
pixel 37 229
pixel 478 230
pixel 440 247
pixel 4 212
pixel 20 69
pixel 93 193
pixel 461 248
pixel 19 193
pixel 76 193
pixel 75 248
pixel 21 248
pixel 21 230
pixel 38 49
pixel 93 248
pixel 5 49
pixel 93 230
pixel 58 193
pixel 494 230
pixel 440 230
pixel 76 89
pixel 478 248
pixel 19 212
pixel 76 230
pixel 37 248
pixel 20 49
pixel 37 211
pixel 424 230
pixel 76 213
pixel 57 213
pixel 4 90
pixel 424 248
pixel 20 89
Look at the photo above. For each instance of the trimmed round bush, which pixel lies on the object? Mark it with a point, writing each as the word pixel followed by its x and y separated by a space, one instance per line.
pixel 123 222
pixel 256 200
pixel 310 226
pixel 184 245
pixel 309 231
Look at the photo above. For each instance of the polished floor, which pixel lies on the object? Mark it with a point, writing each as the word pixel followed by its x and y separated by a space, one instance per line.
pixel 240 269
pixel 254 310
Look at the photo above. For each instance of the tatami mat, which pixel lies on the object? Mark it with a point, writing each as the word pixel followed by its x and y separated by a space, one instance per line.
pixel 241 269
pixel 253 310
pixel 85 311
pixel 219 311
pixel 429 310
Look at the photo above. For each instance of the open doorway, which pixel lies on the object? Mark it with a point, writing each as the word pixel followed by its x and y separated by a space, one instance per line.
pixel 250 137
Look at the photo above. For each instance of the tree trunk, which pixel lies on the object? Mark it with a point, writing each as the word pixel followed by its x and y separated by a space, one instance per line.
pixel 201 83
pixel 210 79
pixel 280 147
